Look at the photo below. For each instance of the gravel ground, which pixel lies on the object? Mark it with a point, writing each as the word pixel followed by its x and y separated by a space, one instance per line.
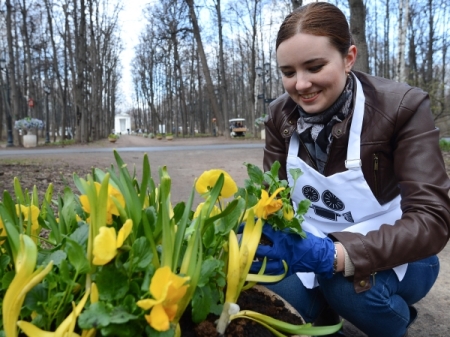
pixel 184 165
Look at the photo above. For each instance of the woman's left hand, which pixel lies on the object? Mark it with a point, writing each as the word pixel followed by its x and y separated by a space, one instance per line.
pixel 310 254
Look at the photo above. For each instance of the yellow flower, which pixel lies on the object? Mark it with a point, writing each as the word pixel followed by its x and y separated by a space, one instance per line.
pixel 209 178
pixel 214 211
pixel 2 230
pixel 26 210
pixel 111 208
pixel 288 212
pixel 107 243
pixel 167 290
pixel 25 278
pixel 268 205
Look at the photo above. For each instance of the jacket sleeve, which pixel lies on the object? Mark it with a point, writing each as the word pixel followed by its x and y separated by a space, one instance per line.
pixel 424 227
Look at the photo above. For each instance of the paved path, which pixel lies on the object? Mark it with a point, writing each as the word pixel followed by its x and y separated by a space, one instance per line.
pixel 186 159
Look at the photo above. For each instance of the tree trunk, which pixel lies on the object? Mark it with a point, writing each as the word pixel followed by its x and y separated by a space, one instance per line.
pixel 358 30
pixel 209 84
pixel 14 93
pixel 402 29
pixel 223 82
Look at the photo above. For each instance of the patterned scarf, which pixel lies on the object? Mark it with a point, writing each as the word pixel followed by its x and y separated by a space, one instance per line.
pixel 315 130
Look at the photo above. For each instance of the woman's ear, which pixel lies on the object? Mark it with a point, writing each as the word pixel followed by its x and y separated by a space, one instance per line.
pixel 350 58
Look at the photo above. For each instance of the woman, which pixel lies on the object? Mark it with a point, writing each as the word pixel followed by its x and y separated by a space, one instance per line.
pixel 374 174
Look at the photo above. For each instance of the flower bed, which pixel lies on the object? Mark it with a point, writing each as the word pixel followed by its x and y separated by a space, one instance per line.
pixel 120 259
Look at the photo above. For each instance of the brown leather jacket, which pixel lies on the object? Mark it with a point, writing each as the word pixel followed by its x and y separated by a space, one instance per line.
pixel 400 155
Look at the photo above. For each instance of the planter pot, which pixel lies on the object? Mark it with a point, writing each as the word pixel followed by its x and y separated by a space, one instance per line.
pixel 259 299
pixel 169 137
pixel 112 140
pixel 29 140
pixel 159 137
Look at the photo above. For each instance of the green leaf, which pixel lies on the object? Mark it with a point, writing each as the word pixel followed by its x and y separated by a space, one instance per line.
pixel 255 173
pixel 201 304
pixel 209 236
pixel 120 315
pixel 4 261
pixel 80 235
pixel 274 169
pixel 7 279
pixel 77 256
pixel 296 173
pixel 36 297
pixel 130 329
pixel 64 273
pixel 142 255
pixel 96 316
pixel 112 283
pixel 303 207
pixel 57 257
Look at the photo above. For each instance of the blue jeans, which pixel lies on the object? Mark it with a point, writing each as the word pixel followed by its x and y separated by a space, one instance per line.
pixel 379 312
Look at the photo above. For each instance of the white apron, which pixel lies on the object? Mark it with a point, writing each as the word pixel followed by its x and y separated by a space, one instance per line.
pixel 343 201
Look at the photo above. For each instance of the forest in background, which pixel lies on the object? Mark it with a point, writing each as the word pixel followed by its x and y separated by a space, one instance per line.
pixel 198 63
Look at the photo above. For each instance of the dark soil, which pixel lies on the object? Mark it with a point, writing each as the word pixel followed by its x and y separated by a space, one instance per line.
pixel 252 299
pixel 39 175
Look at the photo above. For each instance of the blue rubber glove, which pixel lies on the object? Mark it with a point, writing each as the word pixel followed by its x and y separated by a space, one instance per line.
pixel 312 254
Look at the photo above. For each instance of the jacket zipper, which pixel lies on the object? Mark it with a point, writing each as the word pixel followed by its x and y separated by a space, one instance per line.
pixel 375 172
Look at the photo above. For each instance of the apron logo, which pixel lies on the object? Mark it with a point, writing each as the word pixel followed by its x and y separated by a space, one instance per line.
pixel 330 200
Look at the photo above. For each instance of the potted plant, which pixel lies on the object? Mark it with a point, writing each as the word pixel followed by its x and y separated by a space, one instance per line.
pixel 158 136
pixel 29 125
pixel 169 136
pixel 165 260
pixel 113 137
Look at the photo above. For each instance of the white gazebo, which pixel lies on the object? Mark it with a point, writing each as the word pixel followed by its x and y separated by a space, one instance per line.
pixel 122 123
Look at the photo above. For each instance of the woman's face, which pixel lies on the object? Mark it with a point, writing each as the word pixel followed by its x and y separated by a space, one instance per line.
pixel 314 71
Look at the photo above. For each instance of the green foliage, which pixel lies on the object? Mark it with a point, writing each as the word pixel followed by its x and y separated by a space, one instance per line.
pixel 444 145
pixel 269 181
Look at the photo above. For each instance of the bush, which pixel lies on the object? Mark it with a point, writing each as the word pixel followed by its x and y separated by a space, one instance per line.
pixel 444 145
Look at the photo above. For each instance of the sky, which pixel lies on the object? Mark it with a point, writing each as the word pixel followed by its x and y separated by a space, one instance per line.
pixel 132 22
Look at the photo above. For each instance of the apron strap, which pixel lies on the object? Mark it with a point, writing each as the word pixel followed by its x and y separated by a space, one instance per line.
pixel 294 144
pixel 353 161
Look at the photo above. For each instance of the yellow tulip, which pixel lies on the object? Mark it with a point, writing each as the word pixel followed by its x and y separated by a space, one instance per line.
pixel 167 290
pixel 24 280
pixel 2 230
pixel 107 242
pixel 30 214
pixel 268 205
pixel 214 211
pixel 111 208
pixel 209 178
pixel 288 212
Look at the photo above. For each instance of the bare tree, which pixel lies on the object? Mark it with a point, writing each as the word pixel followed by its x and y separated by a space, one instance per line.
pixel 358 30
pixel 402 29
pixel 206 72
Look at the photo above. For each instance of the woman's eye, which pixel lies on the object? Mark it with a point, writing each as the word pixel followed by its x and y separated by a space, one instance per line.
pixel 288 73
pixel 315 69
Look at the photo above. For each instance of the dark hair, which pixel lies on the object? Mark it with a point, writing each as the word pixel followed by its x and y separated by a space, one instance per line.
pixel 321 19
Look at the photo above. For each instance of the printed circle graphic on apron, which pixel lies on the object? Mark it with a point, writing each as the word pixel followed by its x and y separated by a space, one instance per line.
pixel 310 193
pixel 332 201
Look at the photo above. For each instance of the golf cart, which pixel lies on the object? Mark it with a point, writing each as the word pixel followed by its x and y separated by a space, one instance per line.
pixel 237 127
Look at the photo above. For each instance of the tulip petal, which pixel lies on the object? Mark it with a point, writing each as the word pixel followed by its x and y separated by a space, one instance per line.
pixel 124 232
pixel 104 246
pixel 158 318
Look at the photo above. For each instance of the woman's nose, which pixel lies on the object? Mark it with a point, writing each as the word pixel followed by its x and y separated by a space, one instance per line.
pixel 302 82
